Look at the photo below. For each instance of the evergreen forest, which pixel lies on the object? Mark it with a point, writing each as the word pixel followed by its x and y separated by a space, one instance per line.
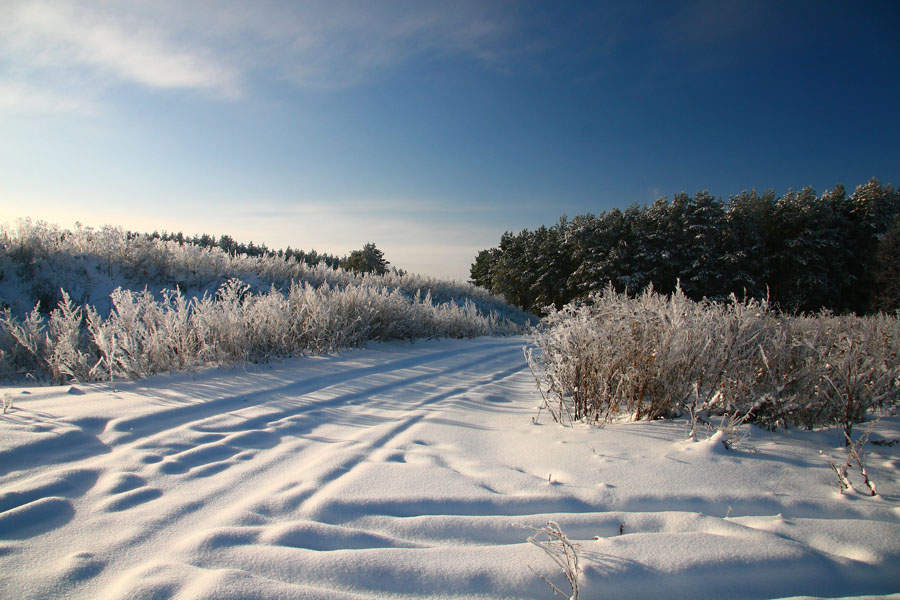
pixel 801 251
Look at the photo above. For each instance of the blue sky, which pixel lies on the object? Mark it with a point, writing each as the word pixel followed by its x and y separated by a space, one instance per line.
pixel 430 128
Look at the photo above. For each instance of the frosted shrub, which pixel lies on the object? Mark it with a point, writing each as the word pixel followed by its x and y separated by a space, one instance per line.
pixel 104 339
pixel 556 545
pixel 56 345
pixel 858 369
pixel 68 354
pixel 239 307
pixel 176 330
pixel 74 259
pixel 143 335
pixel 28 352
pixel 649 356
pixel 654 356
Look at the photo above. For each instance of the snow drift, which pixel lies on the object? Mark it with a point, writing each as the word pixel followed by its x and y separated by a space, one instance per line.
pixel 416 471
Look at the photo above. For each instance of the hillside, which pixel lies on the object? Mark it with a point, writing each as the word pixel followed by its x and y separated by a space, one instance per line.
pixel 102 305
pixel 37 259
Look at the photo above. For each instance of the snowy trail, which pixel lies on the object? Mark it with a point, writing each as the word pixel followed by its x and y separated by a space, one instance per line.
pixel 411 471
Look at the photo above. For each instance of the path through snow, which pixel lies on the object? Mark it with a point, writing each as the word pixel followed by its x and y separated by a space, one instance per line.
pixel 412 471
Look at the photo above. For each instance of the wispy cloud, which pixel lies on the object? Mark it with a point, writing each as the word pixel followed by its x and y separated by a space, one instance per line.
pixel 59 36
pixel 24 98
pixel 222 49
pixel 328 45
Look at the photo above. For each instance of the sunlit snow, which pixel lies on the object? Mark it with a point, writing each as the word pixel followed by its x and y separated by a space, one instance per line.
pixel 415 471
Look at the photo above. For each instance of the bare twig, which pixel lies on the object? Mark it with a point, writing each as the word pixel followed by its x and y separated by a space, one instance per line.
pixel 564 553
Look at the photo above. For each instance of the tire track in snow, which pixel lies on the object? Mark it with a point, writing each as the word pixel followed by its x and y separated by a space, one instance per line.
pixel 305 501
pixel 132 428
pixel 132 482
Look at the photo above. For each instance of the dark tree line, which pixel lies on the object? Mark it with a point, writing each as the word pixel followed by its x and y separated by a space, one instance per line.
pixel 367 260
pixel 229 245
pixel 803 251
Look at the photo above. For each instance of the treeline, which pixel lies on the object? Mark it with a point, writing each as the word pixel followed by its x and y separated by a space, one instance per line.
pixel 801 251
pixel 367 260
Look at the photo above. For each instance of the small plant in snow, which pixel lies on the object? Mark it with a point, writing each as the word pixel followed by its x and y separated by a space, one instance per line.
pixel 856 458
pixel 7 403
pixel 730 425
pixel 564 553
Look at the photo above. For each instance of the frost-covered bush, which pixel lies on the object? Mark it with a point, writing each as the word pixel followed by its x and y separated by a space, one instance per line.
pixel 134 305
pixel 654 356
pixel 143 335
pixel 89 263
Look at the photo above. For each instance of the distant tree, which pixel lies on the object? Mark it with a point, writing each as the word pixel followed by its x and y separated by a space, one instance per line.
pixel 204 241
pixel 886 273
pixel 552 265
pixel 664 243
pixel 227 244
pixel 368 260
pixel 746 256
pixel 595 242
pixel 702 272
pixel 480 273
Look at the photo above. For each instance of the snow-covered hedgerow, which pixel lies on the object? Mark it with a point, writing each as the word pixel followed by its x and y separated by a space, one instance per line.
pixel 655 356
pixel 38 259
pixel 143 335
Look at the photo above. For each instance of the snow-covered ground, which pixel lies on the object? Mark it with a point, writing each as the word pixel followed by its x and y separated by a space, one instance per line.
pixel 415 471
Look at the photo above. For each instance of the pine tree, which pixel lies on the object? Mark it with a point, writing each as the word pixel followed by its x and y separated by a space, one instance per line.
pixel 747 263
pixel 480 273
pixel 662 241
pixel 511 273
pixel 886 274
pixel 552 265
pixel 368 260
pixel 703 274
pixel 807 236
pixel 801 251
pixel 869 213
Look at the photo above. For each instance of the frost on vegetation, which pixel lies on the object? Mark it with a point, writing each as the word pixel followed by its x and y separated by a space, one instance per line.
pixel 303 310
pixel 655 356
pixel 142 335
pixel 44 258
pixel 563 552
pixel 855 461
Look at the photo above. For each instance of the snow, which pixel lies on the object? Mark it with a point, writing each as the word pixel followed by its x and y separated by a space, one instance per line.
pixel 415 471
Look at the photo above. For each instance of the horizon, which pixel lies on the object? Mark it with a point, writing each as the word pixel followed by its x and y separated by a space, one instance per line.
pixel 425 128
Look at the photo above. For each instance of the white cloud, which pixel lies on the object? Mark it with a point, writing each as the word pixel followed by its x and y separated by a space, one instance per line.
pixel 49 36
pixel 217 48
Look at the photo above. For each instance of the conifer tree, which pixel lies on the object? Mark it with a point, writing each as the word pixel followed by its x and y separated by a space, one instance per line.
pixel 703 271
pixel 886 273
pixel 368 260
pixel 747 262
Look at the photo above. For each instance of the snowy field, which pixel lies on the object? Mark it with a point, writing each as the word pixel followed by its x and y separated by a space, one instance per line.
pixel 415 471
